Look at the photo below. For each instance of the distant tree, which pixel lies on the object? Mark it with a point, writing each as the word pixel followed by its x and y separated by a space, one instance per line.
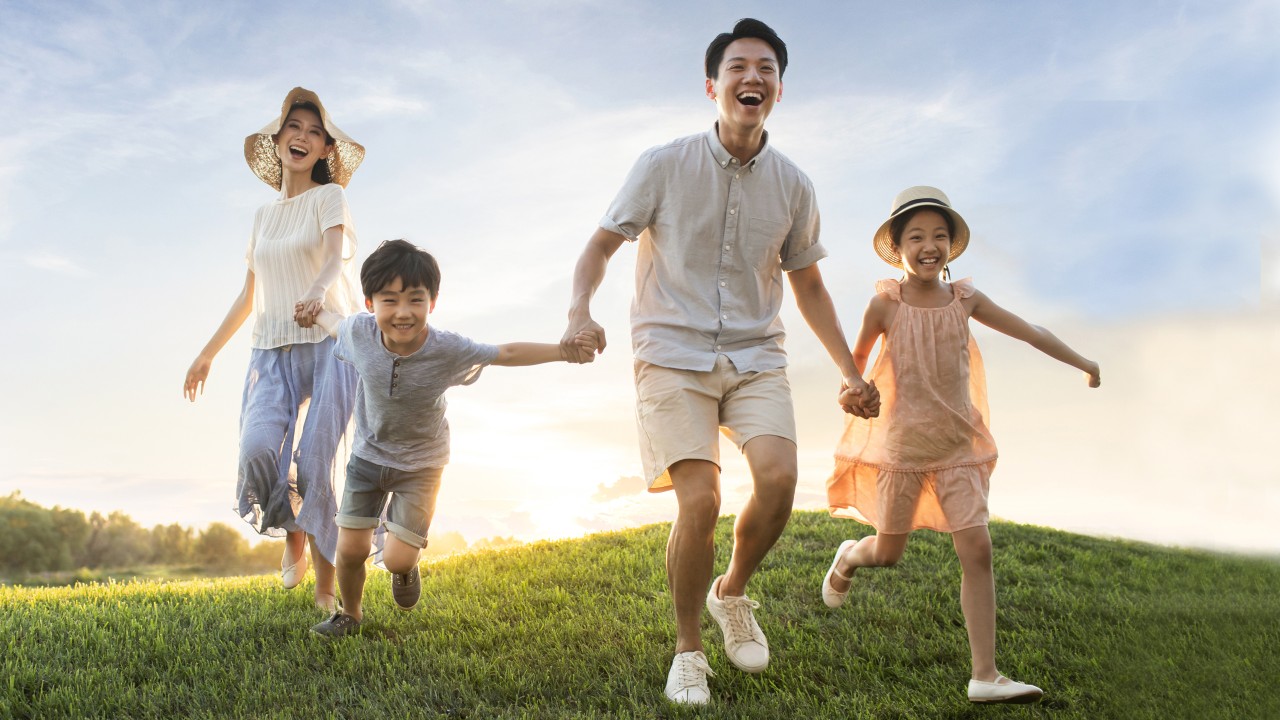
pixel 220 546
pixel 116 541
pixel 172 544
pixel 28 539
pixel 72 528
pixel 446 543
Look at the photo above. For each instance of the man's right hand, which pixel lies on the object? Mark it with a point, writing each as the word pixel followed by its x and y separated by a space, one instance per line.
pixel 571 349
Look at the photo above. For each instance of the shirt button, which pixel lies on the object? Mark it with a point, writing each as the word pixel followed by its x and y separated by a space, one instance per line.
pixel 395 375
pixel 726 247
pixel 733 211
pixel 724 317
pixel 735 177
pixel 721 283
pixel 717 347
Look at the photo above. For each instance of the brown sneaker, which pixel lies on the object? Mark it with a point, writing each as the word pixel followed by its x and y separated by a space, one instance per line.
pixel 338 625
pixel 406 588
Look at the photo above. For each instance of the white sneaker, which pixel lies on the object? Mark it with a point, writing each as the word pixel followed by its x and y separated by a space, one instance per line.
pixel 744 641
pixel 1008 691
pixel 687 680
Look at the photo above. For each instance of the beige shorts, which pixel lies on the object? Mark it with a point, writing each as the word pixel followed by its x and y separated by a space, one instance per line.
pixel 681 412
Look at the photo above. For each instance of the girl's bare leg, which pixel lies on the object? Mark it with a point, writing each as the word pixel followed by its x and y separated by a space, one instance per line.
pixel 879 550
pixel 978 598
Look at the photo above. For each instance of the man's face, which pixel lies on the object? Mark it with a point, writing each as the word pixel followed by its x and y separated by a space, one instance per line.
pixel 748 84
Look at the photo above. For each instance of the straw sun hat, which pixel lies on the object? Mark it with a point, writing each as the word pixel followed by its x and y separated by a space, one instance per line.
pixel 260 148
pixel 911 199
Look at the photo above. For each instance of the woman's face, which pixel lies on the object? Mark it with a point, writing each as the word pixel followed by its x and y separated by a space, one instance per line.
pixel 300 144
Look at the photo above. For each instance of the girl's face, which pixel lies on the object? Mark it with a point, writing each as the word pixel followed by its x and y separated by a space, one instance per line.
pixel 925 245
pixel 301 142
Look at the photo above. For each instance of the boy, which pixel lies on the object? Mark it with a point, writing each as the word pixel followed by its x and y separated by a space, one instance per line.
pixel 402 436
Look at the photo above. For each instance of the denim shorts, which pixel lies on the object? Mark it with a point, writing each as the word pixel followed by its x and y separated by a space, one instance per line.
pixel 413 499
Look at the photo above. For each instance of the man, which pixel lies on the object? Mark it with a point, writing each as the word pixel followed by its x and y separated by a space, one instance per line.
pixel 718 217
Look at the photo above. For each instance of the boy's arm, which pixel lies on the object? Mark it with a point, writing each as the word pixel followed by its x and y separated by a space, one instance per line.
pixel 526 353
pixel 997 318
pixel 819 312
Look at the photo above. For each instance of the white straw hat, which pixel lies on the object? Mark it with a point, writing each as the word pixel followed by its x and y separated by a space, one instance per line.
pixel 911 199
pixel 260 148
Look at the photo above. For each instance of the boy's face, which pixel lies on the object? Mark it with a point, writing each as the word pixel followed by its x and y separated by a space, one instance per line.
pixel 748 84
pixel 401 314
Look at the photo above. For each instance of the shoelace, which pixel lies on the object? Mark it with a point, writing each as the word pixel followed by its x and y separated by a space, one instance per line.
pixel 740 619
pixel 693 671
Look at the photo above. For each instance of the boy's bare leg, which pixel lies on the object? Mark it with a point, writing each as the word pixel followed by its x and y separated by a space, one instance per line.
pixel 353 551
pixel 691 550
pixel 772 460
pixel 399 556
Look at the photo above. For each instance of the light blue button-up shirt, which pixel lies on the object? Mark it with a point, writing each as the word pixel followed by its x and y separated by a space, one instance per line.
pixel 714 237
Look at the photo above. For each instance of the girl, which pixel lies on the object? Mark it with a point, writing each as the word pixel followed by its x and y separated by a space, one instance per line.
pixel 301 251
pixel 926 460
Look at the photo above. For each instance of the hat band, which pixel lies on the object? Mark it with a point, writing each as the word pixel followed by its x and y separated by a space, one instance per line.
pixel 908 204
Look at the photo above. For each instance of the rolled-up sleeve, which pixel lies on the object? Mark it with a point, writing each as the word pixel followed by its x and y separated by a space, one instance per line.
pixel 633 208
pixel 802 248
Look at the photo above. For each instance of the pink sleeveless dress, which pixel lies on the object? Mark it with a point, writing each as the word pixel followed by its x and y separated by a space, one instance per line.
pixel 926 461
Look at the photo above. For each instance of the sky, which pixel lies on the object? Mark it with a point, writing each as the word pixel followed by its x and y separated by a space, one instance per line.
pixel 1116 163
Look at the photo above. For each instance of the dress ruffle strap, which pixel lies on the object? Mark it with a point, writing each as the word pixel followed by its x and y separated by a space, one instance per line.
pixel 890 287
pixel 964 288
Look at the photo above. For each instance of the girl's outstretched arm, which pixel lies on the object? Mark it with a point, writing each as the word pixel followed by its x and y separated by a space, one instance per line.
pixel 239 312
pixel 997 318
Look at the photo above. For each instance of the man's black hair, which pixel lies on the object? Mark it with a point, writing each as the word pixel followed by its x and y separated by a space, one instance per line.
pixel 746 28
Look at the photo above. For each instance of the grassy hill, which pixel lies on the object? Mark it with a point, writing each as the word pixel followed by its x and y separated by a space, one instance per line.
pixel 583 628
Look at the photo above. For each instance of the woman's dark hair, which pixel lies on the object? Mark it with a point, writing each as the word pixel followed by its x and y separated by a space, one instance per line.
pixel 399 259
pixel 320 171
pixel 898 224
pixel 746 28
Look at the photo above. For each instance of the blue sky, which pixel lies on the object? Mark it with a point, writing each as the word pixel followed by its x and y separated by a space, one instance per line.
pixel 1115 161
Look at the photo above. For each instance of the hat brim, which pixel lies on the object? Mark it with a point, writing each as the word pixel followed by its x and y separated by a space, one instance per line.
pixel 883 239
pixel 260 147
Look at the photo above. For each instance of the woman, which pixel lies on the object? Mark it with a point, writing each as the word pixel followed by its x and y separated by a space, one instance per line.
pixel 301 251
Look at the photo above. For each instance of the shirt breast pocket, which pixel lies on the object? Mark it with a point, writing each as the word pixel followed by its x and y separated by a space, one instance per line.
pixel 764 242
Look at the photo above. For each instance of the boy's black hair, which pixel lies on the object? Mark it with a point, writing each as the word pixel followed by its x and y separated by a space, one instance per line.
pixel 746 28
pixel 320 171
pixel 898 224
pixel 399 259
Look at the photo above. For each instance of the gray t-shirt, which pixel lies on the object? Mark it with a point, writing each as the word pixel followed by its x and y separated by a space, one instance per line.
pixel 400 401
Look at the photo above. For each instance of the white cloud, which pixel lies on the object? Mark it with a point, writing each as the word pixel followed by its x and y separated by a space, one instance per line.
pixel 56 264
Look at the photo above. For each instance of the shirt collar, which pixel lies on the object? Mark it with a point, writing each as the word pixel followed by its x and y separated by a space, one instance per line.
pixel 722 156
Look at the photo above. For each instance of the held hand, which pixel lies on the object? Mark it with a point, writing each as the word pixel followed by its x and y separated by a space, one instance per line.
pixel 196 376
pixel 306 309
pixel 862 399
pixel 573 351
pixel 1093 375
pixel 301 317
pixel 587 344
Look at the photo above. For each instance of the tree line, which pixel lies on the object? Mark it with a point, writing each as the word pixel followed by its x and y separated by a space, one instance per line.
pixel 39 539
pixel 36 539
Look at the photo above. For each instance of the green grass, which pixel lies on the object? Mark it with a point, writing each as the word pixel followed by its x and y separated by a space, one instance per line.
pixel 583 628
